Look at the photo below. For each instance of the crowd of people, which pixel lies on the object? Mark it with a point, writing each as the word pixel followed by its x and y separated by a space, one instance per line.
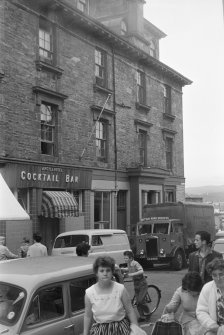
pixel 108 307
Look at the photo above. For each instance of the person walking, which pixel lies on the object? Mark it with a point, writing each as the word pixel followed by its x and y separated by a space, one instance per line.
pixel 199 259
pixel 135 271
pixel 37 249
pixel 24 247
pixel 107 303
pixel 5 253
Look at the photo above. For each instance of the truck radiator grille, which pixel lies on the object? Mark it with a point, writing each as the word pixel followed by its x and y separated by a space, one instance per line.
pixel 151 248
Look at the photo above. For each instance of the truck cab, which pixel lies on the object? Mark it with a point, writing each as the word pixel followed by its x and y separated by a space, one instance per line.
pixel 159 240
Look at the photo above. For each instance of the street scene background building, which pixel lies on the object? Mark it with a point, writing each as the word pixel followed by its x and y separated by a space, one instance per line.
pixel 90 119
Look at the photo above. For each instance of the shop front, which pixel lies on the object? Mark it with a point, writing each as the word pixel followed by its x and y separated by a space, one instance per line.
pixel 57 198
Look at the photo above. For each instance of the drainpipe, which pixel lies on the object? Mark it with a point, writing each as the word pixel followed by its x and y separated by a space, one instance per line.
pixel 115 125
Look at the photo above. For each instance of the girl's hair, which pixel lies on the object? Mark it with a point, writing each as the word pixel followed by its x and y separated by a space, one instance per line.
pixel 106 262
pixel 129 254
pixel 215 264
pixel 192 282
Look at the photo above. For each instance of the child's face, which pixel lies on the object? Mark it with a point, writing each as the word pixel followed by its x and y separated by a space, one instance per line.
pixel 127 259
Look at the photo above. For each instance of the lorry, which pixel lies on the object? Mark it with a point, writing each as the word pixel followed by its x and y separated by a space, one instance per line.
pixel 166 232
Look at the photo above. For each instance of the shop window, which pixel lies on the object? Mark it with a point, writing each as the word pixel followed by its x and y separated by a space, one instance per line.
pixel 169 153
pixel 23 198
pixel 45 41
pixel 167 100
pixel 102 209
pixel 141 88
pixel 101 140
pixel 100 67
pixel 123 28
pixel 142 140
pixel 48 129
pixel 83 6
pixel 47 304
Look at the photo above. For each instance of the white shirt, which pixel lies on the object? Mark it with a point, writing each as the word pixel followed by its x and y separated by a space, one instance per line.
pixel 37 250
pixel 107 307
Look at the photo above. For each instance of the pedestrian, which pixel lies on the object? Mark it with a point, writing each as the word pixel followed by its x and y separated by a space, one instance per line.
pixel 199 259
pixel 37 249
pixel 82 249
pixel 210 307
pixel 107 302
pixel 24 247
pixel 135 271
pixel 186 296
pixel 5 253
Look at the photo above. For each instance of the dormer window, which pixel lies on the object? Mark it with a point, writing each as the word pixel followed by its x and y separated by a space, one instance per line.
pixel 83 5
pixel 152 49
pixel 123 28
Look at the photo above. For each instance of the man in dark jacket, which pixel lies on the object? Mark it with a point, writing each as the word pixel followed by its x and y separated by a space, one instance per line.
pixel 199 259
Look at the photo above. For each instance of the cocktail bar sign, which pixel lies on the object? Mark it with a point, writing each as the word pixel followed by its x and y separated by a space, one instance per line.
pixel 52 177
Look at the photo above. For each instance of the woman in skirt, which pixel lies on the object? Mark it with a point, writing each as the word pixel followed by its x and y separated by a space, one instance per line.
pixel 107 303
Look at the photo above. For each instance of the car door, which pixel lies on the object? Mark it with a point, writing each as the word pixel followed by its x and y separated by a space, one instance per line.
pixel 48 313
pixel 77 288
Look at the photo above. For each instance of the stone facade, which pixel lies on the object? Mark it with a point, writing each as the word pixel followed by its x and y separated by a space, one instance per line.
pixel 69 83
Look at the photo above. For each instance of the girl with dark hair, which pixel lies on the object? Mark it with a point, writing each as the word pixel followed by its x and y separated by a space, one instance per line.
pixel 210 308
pixel 186 296
pixel 107 303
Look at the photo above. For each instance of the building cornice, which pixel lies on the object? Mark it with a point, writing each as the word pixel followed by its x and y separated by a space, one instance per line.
pixel 93 26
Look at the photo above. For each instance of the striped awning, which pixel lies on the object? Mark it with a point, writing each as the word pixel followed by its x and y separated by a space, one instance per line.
pixel 58 204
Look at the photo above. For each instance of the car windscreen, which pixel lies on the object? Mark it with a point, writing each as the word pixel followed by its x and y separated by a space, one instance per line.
pixel 12 299
pixel 70 241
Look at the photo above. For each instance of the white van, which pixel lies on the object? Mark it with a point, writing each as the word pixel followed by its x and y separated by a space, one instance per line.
pixel 110 242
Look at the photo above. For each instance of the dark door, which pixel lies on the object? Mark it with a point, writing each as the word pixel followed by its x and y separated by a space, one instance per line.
pixel 121 210
pixel 49 229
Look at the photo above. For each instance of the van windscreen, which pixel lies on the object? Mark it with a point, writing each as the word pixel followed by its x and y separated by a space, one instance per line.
pixel 70 241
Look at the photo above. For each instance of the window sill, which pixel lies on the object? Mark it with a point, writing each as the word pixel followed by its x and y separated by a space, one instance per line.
pixel 169 116
pixel 143 107
pixel 102 89
pixel 41 65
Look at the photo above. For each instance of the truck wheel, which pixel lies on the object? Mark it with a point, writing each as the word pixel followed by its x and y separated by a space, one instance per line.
pixel 177 261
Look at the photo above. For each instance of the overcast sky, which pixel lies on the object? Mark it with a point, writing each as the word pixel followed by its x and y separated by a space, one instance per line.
pixel 194 46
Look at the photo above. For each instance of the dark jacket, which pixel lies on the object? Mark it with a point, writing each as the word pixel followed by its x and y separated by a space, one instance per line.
pixel 194 263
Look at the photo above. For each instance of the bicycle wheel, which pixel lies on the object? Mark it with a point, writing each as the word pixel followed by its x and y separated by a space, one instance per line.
pixel 152 298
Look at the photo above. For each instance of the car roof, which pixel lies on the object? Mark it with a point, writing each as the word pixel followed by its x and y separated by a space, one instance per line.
pixel 32 272
pixel 219 240
pixel 93 231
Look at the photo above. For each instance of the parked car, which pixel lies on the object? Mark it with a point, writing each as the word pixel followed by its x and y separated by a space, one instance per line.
pixel 44 295
pixel 111 242
pixel 218 245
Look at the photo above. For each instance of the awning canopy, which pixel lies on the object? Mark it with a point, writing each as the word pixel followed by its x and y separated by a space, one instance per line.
pixel 10 208
pixel 58 204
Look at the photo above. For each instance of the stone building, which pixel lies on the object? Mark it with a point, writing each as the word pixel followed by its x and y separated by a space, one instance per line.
pixel 91 124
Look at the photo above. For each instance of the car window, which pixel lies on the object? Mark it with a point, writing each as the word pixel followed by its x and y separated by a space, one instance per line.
pixel 77 288
pixel 70 241
pixel 47 304
pixel 96 240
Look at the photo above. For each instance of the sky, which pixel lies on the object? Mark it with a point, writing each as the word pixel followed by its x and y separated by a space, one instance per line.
pixel 194 46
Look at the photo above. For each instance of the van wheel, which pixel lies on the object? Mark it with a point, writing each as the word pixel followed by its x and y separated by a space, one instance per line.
pixel 178 261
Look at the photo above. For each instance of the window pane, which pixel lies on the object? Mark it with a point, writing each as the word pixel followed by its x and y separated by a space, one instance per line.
pixel 106 206
pixel 77 292
pixel 97 206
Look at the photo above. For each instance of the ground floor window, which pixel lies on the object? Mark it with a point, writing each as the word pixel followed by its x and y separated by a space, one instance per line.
pixel 102 209
pixel 23 197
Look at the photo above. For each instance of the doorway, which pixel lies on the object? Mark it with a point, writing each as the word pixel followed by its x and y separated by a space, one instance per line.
pixel 49 229
pixel 122 210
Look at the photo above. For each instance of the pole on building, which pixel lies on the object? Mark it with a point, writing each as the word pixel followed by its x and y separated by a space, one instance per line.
pixel 94 127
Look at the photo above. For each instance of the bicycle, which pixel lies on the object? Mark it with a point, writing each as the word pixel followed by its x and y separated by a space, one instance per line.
pixel 152 297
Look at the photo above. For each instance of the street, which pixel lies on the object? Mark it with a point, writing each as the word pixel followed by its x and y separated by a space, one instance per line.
pixel 167 281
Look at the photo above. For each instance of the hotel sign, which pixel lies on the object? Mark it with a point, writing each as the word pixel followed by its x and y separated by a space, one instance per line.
pixel 49 177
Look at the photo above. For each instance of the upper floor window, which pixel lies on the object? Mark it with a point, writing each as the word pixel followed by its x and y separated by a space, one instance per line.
pixel 100 67
pixel 83 5
pixel 167 99
pixel 141 87
pixel 46 41
pixel 101 140
pixel 169 152
pixel 48 129
pixel 123 28
pixel 142 139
